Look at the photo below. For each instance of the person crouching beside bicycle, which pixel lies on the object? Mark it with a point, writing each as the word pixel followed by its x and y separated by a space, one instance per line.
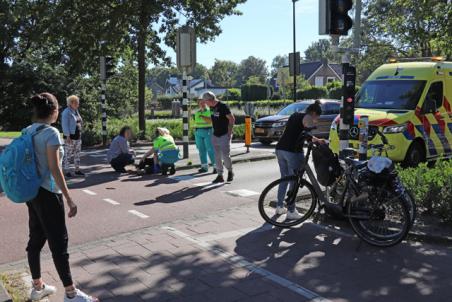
pixel 163 143
pixel 290 155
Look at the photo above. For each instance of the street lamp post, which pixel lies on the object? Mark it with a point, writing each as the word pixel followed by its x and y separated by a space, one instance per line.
pixel 294 53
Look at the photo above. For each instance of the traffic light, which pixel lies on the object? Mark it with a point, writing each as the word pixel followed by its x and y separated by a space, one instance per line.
pixel 348 107
pixel 107 67
pixel 334 18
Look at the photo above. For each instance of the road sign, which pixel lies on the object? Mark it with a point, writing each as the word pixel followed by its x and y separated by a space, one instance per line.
pixel 294 63
pixel 186 48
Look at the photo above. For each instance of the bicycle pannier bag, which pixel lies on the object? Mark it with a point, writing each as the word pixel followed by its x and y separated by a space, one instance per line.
pixel 326 165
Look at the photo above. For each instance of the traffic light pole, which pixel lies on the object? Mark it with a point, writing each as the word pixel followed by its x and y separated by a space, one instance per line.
pixel 185 112
pixel 103 105
pixel 294 54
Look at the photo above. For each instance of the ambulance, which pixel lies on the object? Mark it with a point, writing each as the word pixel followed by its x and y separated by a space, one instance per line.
pixel 410 102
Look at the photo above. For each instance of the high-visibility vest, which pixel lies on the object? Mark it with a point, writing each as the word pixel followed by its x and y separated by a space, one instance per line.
pixel 199 121
pixel 164 142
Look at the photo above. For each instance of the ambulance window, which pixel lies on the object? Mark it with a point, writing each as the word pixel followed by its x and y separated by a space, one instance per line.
pixel 434 98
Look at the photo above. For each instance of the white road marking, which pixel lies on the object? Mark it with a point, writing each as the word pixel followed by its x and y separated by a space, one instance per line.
pixel 242 193
pixel 89 192
pixel 208 185
pixel 239 261
pixel 111 201
pixel 139 214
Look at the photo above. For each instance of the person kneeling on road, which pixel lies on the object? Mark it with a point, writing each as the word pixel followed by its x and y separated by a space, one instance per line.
pixel 120 154
pixel 290 155
pixel 163 142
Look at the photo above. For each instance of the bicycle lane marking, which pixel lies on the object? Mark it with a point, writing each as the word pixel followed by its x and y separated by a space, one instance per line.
pixel 241 262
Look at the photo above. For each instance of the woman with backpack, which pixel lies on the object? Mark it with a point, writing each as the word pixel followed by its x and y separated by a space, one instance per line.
pixel 46 210
pixel 290 155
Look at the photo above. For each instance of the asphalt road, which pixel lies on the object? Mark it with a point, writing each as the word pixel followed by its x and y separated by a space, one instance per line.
pixel 105 201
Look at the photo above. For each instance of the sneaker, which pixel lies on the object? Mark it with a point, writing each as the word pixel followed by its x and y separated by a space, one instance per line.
pixel 214 171
pixel 46 290
pixel 281 210
pixel 230 176
pixel 293 215
pixel 68 175
pixel 172 170
pixel 80 297
pixel 219 179
pixel 203 170
pixel 79 173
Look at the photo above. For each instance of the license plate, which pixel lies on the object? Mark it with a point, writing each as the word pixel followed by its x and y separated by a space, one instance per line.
pixel 259 130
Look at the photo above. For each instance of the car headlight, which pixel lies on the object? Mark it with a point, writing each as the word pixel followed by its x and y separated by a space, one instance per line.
pixel 279 124
pixel 395 129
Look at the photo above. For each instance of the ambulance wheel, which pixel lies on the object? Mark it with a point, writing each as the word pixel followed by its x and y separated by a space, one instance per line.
pixel 266 142
pixel 414 156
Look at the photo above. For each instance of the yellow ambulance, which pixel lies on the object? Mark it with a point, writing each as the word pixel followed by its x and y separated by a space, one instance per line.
pixel 410 102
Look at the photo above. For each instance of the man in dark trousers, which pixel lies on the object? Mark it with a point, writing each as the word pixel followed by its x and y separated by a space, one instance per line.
pixel 223 122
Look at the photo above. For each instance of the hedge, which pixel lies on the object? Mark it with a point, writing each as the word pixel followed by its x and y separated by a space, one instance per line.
pixel 92 135
pixel 313 92
pixel 233 94
pixel 431 188
pixel 164 102
pixel 254 92
pixel 335 93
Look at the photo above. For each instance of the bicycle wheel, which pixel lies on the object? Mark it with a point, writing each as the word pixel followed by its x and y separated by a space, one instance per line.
pixel 381 220
pixel 411 203
pixel 296 193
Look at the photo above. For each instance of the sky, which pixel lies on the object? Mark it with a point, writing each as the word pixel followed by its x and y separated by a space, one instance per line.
pixel 264 30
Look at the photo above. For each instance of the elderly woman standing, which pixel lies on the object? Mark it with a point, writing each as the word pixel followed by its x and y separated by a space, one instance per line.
pixel 72 133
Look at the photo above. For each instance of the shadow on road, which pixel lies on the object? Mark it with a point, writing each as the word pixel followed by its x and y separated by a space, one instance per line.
pixel 338 267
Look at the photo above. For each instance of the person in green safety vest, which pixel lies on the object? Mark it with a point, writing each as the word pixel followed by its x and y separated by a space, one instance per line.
pixel 163 142
pixel 203 136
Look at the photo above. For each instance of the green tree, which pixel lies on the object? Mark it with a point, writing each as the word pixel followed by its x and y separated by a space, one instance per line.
pixel 278 62
pixel 413 27
pixel 200 72
pixel 252 66
pixel 319 50
pixel 223 73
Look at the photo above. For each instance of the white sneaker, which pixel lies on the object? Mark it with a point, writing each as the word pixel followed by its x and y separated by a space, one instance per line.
pixel 46 290
pixel 294 215
pixel 80 297
pixel 281 210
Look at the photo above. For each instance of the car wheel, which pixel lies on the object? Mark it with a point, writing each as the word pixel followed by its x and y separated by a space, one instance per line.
pixel 266 142
pixel 415 155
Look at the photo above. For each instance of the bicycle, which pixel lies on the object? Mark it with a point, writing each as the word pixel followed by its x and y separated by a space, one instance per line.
pixel 377 215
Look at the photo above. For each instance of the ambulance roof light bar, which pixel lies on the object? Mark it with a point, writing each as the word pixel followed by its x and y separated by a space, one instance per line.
pixel 421 59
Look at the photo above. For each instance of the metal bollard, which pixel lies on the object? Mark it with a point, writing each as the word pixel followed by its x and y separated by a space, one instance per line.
pixel 247 133
pixel 363 126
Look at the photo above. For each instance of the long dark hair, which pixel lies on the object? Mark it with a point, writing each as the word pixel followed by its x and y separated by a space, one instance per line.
pixel 123 130
pixel 44 104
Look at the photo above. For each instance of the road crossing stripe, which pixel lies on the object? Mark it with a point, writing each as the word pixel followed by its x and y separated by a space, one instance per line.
pixel 139 214
pixel 242 193
pixel 239 261
pixel 111 201
pixel 89 192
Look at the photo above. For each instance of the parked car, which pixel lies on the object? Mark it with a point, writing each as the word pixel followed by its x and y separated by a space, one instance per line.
pixel 270 128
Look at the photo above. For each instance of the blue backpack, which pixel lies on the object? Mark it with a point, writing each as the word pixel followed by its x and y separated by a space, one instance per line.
pixel 19 175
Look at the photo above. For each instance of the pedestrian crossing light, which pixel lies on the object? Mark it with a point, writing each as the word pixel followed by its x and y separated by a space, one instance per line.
pixel 334 18
pixel 107 67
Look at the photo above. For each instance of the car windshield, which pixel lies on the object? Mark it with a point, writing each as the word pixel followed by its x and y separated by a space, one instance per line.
pixel 390 94
pixel 292 108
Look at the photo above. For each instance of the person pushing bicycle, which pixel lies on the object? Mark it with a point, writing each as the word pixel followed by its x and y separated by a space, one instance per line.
pixel 290 154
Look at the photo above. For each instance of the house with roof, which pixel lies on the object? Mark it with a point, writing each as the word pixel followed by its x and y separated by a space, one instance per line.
pixel 318 73
pixel 196 87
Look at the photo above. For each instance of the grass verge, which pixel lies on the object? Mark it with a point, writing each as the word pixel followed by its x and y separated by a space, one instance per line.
pixel 15 286
pixel 9 134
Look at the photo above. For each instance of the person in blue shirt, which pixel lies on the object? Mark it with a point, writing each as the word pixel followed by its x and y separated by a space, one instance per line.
pixel 71 122
pixel 120 154
pixel 46 211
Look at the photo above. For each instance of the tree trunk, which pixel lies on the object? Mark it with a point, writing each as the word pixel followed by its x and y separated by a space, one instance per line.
pixel 142 70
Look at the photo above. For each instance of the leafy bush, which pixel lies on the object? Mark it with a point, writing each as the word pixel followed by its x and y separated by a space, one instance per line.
pixel 335 93
pixel 164 102
pixel 276 96
pixel 431 188
pixel 254 92
pixel 312 93
pixel 334 84
pixel 233 94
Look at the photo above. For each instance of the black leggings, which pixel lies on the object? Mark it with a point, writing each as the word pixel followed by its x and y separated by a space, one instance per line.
pixel 47 223
pixel 121 161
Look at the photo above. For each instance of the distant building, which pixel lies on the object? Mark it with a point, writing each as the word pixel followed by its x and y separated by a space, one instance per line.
pixel 196 87
pixel 316 73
